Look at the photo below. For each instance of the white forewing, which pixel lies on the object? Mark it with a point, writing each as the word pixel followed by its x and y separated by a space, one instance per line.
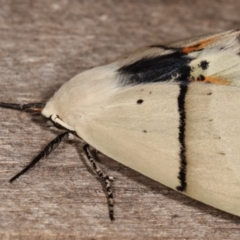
pixel 212 143
pixel 147 112
pixel 142 136
pixel 145 137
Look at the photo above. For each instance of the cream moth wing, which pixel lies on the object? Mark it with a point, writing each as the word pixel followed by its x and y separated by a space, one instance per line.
pixel 168 112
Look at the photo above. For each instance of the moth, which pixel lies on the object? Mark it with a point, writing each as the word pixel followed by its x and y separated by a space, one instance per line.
pixel 170 112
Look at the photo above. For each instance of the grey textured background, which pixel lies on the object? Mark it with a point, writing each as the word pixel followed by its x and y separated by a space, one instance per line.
pixel 42 45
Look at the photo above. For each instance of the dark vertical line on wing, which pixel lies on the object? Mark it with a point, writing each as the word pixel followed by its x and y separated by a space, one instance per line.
pixel 182 137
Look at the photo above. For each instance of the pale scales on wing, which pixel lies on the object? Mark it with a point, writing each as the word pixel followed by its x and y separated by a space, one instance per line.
pixel 145 136
pixel 149 112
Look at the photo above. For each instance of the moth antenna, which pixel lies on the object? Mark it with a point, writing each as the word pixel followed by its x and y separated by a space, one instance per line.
pixel 106 179
pixel 44 153
pixel 28 107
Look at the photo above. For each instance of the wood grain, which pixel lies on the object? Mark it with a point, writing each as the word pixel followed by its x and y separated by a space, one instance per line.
pixel 42 45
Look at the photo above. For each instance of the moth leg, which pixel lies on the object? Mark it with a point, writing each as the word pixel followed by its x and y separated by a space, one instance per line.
pixel 55 119
pixel 44 153
pixel 29 107
pixel 106 179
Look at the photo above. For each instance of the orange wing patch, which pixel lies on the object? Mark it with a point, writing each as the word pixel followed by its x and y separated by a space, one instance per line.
pixel 214 80
pixel 198 46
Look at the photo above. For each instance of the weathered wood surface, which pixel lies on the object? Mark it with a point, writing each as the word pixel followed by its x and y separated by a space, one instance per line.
pixel 42 45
